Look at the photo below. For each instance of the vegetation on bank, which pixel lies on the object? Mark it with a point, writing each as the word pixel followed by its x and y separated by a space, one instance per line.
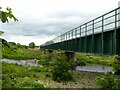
pixel 18 76
pixel 84 58
pixel 56 69
pixel 110 81
pixel 18 52
pixel 61 71
pixel 22 52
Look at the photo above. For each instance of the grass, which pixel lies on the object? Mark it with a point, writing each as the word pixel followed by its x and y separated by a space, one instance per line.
pixel 22 54
pixel 17 76
pixel 97 59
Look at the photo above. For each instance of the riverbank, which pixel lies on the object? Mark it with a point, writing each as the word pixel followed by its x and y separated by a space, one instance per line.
pixel 31 54
pixel 25 76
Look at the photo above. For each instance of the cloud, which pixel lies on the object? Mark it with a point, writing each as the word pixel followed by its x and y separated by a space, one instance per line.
pixel 42 20
pixel 25 40
pixel 52 24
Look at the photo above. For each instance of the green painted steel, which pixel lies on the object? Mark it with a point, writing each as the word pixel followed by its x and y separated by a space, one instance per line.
pixel 109 42
pixel 118 42
pixel 100 36
pixel 98 43
pixel 83 46
pixel 89 44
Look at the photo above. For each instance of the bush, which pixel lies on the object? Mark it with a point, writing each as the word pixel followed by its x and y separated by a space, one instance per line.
pixel 18 76
pixel 81 61
pixel 109 82
pixel 45 59
pixel 116 67
pixel 30 84
pixel 61 70
pixel 19 45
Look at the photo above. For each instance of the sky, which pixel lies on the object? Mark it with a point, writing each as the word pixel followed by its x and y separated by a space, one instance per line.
pixel 43 20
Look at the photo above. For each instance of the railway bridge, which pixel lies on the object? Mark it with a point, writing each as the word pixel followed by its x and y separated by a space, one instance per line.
pixel 100 36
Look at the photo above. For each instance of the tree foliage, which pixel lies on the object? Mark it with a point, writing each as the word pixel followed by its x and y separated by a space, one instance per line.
pixel 1 32
pixel 49 42
pixel 32 45
pixel 5 15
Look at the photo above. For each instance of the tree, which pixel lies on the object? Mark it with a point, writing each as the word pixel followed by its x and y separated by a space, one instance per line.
pixel 5 15
pixel 32 45
pixel 12 43
pixel 49 42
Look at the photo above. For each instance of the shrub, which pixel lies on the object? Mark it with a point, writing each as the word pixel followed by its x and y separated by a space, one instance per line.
pixel 116 67
pixel 81 61
pixel 18 76
pixel 109 82
pixel 61 71
pixel 105 82
pixel 19 45
pixel 45 59
pixel 30 84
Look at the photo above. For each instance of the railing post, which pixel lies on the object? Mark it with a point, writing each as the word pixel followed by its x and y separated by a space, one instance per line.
pixel 80 39
pixel 75 32
pixel 102 34
pixel 76 43
pixel 72 34
pixel 115 32
pixel 86 37
pixel 93 38
pixel 66 36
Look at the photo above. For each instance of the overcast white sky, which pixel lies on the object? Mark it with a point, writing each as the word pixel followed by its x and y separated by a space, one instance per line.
pixel 42 20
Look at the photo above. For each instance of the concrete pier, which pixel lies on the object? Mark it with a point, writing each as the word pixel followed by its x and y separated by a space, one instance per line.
pixel 72 58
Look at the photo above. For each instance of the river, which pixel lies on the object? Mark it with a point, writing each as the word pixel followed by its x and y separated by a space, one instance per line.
pixel 22 62
pixel 88 67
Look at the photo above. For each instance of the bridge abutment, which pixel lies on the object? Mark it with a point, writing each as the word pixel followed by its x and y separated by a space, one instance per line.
pixel 72 58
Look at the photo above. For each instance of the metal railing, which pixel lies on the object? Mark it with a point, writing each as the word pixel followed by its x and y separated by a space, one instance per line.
pixel 106 22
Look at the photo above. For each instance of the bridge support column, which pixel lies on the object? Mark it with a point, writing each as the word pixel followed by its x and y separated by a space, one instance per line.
pixel 72 58
pixel 50 54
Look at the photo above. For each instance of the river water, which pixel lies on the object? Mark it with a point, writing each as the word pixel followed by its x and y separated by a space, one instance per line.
pixel 94 68
pixel 22 62
pixel 88 67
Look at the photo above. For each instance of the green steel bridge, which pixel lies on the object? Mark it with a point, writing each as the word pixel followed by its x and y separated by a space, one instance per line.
pixel 100 36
